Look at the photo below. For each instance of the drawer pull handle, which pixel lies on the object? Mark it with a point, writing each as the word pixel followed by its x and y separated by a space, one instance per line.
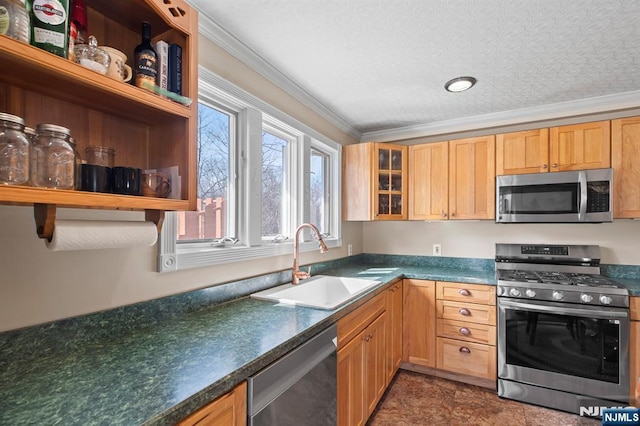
pixel 465 312
pixel 464 331
pixel 465 350
pixel 464 292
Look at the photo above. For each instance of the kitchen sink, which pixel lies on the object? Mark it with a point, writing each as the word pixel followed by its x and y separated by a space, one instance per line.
pixel 320 291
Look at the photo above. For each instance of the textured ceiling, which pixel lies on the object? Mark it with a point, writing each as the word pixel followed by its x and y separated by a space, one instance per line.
pixel 382 64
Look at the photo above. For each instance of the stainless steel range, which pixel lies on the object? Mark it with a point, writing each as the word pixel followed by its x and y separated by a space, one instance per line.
pixel 562 328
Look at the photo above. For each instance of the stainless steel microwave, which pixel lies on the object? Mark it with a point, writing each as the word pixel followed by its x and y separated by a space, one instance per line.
pixel 564 197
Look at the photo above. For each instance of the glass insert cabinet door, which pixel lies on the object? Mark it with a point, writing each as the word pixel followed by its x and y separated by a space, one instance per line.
pixel 390 190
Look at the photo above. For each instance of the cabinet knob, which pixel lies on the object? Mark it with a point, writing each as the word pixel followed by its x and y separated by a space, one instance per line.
pixel 453 214
pixel 465 350
pixel 464 292
pixel 464 331
pixel 444 214
pixel 465 312
pixel 544 167
pixel 554 165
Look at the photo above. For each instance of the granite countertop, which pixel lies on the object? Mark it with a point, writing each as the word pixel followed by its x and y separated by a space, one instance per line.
pixel 156 362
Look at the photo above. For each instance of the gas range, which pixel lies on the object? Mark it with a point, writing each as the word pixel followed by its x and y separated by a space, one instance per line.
pixel 556 273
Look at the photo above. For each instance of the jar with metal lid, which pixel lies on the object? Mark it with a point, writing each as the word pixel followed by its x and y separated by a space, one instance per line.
pixel 14 151
pixel 14 20
pixel 52 158
pixel 77 167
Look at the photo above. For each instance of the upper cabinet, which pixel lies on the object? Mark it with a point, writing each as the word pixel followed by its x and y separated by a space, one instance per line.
pixel 146 130
pixel 625 157
pixel 374 182
pixel 472 178
pixel 576 147
pixel 429 181
pixel 522 152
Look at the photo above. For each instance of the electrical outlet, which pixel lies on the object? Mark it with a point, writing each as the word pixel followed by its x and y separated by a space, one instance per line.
pixel 349 249
pixel 437 250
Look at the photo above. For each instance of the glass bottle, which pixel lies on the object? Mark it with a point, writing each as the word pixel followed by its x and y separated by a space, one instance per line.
pixel 14 20
pixel 52 158
pixel 14 151
pixel 145 60
pixel 79 19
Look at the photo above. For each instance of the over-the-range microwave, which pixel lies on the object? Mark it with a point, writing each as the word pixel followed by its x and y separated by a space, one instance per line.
pixel 564 197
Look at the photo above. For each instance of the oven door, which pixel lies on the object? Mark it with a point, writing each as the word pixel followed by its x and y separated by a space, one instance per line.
pixel 573 348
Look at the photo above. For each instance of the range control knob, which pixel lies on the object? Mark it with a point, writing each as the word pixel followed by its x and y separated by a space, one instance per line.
pixel 514 292
pixel 605 300
pixel 499 291
pixel 586 298
pixel 530 293
pixel 557 295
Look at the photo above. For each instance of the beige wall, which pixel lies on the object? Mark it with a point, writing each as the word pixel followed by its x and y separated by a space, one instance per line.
pixel 618 240
pixel 37 285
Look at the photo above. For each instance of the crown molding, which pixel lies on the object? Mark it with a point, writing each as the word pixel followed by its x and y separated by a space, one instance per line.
pixel 217 34
pixel 580 107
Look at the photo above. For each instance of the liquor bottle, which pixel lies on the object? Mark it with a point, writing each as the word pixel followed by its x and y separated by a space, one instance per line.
pixel 145 60
pixel 79 19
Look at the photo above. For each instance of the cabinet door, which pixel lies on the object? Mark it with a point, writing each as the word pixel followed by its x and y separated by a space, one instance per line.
pixel 625 157
pixel 580 147
pixel 375 362
pixel 357 181
pixel 390 186
pixel 429 181
pixel 419 325
pixel 472 184
pixel 351 382
pixel 522 152
pixel 228 410
pixel 394 330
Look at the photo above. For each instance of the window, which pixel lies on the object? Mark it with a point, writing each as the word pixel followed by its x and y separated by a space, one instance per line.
pixel 260 174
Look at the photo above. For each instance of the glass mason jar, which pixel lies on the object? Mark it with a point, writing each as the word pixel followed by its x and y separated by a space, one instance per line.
pixel 14 20
pixel 14 151
pixel 52 158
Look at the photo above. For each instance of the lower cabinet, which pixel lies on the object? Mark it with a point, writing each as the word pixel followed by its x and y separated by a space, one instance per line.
pixel 450 327
pixel 369 353
pixel 228 410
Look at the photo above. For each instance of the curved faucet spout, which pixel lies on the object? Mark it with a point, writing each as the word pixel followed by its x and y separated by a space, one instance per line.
pixel 296 274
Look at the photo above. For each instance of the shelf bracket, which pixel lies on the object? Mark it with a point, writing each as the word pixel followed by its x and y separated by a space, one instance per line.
pixel 155 216
pixel 45 215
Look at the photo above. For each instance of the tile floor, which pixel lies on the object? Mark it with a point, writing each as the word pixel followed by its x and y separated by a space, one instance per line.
pixel 415 399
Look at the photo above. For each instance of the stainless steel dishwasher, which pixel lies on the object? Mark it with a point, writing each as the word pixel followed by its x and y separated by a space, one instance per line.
pixel 298 389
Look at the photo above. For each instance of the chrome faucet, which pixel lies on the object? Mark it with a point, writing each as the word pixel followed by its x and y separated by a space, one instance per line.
pixel 296 274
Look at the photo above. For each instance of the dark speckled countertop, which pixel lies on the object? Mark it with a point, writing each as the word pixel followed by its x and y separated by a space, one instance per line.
pixel 156 362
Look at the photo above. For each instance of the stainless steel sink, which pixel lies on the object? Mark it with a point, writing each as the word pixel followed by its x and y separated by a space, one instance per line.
pixel 320 291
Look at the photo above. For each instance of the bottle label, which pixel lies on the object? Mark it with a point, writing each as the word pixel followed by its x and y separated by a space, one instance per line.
pixel 146 68
pixel 50 12
pixel 5 20
pixel 44 36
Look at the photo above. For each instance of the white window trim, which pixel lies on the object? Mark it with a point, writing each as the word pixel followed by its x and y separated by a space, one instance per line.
pixel 173 256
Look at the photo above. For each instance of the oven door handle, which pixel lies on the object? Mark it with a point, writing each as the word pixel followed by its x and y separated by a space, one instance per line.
pixel 601 314
pixel 582 179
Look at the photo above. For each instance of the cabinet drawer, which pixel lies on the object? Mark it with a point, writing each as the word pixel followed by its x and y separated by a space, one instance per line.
pixel 468 312
pixel 467 331
pixel 461 292
pixel 467 358
pixel 356 321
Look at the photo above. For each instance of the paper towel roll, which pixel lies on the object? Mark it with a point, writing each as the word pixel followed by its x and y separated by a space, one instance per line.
pixel 101 234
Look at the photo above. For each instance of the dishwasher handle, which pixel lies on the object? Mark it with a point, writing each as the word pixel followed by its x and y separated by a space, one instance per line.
pixel 268 384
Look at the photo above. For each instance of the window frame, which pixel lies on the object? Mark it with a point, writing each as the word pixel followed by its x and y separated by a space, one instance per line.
pixel 252 115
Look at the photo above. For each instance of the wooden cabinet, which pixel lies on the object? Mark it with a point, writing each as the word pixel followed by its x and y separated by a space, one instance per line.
pixel 228 410
pixel 472 178
pixel 452 180
pixel 466 328
pixel 374 181
pixel 522 152
pixel 634 350
pixel 625 157
pixel 362 372
pixel 394 329
pixel 146 130
pixel 574 147
pixel 580 146
pixel 419 325
pixel 429 181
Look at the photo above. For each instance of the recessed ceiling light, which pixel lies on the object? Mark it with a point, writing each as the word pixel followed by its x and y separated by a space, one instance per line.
pixel 460 84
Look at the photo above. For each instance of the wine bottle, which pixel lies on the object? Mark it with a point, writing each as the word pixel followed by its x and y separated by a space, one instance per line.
pixel 145 60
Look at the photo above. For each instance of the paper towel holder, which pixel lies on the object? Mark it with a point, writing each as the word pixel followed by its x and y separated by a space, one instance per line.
pixel 45 216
